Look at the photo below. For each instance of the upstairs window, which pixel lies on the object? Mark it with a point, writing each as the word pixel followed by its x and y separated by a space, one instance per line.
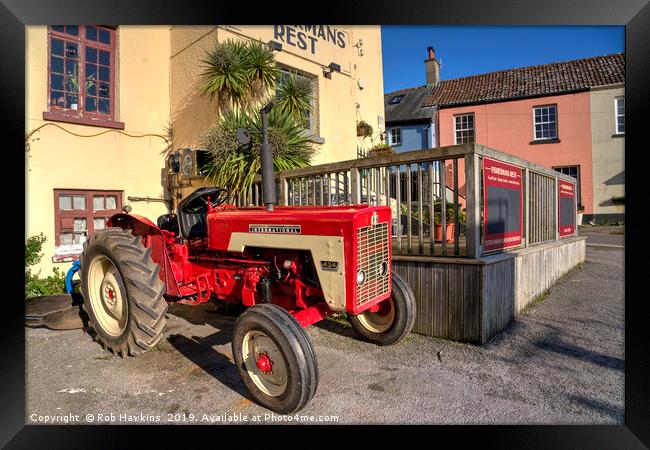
pixel 464 128
pixel 545 119
pixel 81 79
pixel 395 100
pixel 395 136
pixel 619 114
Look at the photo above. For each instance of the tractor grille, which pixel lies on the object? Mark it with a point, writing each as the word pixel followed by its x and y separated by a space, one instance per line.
pixel 372 251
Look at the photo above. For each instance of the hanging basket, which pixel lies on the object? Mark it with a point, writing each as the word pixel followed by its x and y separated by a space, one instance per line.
pixel 364 129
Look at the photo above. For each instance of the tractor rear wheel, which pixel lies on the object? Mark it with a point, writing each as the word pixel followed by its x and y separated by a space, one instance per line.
pixel 123 295
pixel 275 358
pixel 391 320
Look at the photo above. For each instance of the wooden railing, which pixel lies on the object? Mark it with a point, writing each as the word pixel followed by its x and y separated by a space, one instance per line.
pixel 419 186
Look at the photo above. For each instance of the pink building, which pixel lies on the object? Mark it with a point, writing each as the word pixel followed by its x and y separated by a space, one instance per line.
pixel 568 116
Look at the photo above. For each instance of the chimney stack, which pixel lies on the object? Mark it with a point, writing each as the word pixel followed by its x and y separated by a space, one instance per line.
pixel 432 66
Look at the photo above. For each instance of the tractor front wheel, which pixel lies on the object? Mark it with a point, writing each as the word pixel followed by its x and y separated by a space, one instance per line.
pixel 275 358
pixel 123 295
pixel 390 320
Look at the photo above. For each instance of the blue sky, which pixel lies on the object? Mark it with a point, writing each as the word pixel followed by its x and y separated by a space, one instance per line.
pixel 470 50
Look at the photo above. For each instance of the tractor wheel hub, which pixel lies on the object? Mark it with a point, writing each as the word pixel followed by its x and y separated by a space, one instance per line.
pixel 264 363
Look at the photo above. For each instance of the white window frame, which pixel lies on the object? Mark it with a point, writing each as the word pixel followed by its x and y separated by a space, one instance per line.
pixel 456 129
pixel 617 115
pixel 391 141
pixel 535 123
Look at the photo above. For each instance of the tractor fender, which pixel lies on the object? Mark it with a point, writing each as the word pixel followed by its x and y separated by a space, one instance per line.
pixel 139 224
pixel 154 238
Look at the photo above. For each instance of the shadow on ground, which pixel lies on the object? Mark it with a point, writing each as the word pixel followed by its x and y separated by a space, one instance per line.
pixel 200 349
pixel 600 407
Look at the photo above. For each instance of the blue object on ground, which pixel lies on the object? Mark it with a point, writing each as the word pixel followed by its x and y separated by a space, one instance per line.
pixel 69 275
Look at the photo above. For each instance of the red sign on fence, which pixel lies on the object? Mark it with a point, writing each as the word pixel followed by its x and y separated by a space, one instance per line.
pixel 503 205
pixel 567 208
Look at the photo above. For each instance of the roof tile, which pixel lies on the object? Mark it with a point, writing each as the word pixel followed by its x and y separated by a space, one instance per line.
pixel 546 79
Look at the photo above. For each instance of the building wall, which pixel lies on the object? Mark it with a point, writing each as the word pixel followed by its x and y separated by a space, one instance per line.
pixel 414 137
pixel 608 154
pixel 112 161
pixel 338 97
pixel 508 127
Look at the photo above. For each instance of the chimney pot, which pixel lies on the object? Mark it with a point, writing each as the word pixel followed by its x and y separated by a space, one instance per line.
pixel 432 67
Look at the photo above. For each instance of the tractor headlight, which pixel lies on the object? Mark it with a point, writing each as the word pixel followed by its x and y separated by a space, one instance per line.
pixel 383 269
pixel 361 277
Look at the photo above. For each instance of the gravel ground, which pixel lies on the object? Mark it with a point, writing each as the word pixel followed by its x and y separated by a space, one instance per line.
pixel 562 363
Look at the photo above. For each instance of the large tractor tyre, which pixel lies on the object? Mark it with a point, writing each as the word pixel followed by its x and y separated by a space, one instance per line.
pixel 275 358
pixel 391 320
pixel 123 295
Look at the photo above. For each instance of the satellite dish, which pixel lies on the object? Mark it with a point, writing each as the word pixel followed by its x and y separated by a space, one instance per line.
pixel 243 136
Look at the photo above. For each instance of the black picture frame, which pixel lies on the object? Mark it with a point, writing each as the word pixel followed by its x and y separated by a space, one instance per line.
pixel 634 14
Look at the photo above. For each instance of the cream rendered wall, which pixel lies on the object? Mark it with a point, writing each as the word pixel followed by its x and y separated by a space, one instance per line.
pixel 338 96
pixel 608 151
pixel 112 161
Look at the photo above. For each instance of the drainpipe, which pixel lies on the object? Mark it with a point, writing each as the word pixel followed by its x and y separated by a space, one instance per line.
pixel 436 124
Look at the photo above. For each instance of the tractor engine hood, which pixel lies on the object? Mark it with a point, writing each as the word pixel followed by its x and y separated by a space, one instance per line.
pixel 289 220
pixel 330 233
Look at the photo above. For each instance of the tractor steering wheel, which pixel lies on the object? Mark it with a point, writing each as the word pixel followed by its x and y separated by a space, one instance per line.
pixel 199 204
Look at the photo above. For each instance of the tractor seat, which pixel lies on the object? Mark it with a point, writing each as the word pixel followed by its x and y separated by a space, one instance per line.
pixel 192 213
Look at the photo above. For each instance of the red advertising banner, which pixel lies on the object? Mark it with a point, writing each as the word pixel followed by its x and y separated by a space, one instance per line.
pixel 502 205
pixel 566 208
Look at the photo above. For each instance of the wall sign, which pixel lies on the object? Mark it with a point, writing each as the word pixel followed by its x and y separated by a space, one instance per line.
pixel 307 37
pixel 503 205
pixel 566 208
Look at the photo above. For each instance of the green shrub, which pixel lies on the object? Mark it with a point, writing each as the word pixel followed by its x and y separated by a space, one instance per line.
pixel 33 246
pixel 51 285
pixel 437 215
pixel 35 285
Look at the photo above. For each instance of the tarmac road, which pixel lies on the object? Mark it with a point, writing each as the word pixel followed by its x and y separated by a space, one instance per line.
pixel 562 363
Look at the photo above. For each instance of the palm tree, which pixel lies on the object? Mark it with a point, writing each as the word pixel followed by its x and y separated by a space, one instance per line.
pixel 234 166
pixel 226 74
pixel 238 73
pixel 293 96
pixel 244 76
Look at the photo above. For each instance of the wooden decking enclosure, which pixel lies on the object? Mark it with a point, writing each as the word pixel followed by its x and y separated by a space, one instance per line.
pixel 463 292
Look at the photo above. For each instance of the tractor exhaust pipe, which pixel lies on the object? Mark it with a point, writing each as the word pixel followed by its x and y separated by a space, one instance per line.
pixel 268 177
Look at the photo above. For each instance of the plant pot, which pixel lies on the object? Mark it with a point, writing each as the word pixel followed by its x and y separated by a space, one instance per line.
pixel 437 232
pixel 579 219
pixel 362 131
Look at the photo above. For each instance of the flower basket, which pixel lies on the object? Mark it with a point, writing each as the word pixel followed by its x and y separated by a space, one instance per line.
pixel 364 129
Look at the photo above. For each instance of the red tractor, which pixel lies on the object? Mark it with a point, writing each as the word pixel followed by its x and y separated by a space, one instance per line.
pixel 291 266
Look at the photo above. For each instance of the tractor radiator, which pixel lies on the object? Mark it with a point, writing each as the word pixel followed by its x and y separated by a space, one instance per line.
pixel 372 258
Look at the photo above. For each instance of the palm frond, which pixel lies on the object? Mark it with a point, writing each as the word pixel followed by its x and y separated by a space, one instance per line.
pixel 294 96
pixel 226 74
pixel 263 72
pixel 234 167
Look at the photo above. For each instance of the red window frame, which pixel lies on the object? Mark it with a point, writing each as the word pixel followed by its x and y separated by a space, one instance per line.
pixel 89 214
pixel 80 115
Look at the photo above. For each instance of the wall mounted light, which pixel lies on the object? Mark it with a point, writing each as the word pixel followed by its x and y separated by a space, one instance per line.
pixel 175 162
pixel 327 72
pixel 274 45
pixel 334 67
